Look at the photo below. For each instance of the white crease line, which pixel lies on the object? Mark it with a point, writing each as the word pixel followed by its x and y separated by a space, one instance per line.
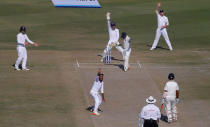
pixel 77 63
pixel 139 64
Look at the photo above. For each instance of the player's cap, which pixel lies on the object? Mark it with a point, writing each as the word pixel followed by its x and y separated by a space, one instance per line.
pixel 123 35
pixel 161 10
pixel 101 74
pixel 22 28
pixel 171 76
pixel 113 24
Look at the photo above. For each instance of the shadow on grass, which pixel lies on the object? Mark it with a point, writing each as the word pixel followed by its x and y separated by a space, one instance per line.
pixel 158 47
pixel 164 118
pixel 113 58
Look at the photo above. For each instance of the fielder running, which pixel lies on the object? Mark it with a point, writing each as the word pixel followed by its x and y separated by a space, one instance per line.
pixel 94 92
pixel 127 50
pixel 22 41
pixel 171 96
pixel 150 114
pixel 113 37
pixel 163 23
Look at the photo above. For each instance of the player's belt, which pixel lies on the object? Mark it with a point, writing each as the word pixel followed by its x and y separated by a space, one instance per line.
pixel 19 44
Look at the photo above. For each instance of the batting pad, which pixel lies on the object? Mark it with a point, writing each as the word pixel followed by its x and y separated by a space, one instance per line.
pixel 77 3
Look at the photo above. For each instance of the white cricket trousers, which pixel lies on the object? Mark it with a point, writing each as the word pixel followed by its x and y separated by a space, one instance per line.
pixel 160 32
pixel 22 56
pixel 171 108
pixel 126 62
pixel 97 99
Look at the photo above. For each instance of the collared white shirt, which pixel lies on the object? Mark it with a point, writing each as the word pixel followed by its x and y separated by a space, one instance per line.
pixel 98 86
pixel 22 38
pixel 171 87
pixel 113 34
pixel 150 111
pixel 127 43
pixel 162 20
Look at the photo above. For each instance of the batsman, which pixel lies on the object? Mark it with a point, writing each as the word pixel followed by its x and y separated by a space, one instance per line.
pixel 113 37
pixel 171 98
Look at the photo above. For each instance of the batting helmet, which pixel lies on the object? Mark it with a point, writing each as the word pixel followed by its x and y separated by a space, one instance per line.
pixel 171 76
pixel 22 28
pixel 113 24
pixel 123 35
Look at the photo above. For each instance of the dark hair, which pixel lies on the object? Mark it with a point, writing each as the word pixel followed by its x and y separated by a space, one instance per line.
pixel 161 10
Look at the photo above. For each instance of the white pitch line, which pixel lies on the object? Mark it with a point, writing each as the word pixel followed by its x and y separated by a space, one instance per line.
pixel 139 64
pixel 77 63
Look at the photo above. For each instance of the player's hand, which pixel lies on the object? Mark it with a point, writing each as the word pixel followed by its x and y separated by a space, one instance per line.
pixel 159 4
pixel 36 44
pixel 108 15
pixel 26 43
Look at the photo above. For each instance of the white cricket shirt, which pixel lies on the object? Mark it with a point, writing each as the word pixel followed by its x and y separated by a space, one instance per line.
pixel 22 38
pixel 113 34
pixel 162 20
pixel 150 111
pixel 171 87
pixel 127 43
pixel 97 86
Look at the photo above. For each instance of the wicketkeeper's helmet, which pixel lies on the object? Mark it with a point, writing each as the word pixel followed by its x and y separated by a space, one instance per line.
pixel 22 28
pixel 171 76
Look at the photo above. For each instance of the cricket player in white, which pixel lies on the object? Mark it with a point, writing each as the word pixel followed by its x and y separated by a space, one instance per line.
pixel 127 50
pixel 113 37
pixel 22 41
pixel 171 95
pixel 163 23
pixel 94 92
pixel 150 113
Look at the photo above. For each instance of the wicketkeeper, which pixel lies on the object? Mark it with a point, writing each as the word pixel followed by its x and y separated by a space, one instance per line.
pixel 171 96
pixel 113 37
pixel 127 50
pixel 22 41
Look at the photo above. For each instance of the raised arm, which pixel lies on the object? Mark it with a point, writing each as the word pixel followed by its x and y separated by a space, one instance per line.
pixel 157 8
pixel 108 20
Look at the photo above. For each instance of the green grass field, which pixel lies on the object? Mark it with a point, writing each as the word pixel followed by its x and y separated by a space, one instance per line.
pixel 51 95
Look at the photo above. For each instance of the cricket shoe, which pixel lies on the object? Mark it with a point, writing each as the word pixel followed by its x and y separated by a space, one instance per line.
pixel 152 48
pixel 17 69
pixel 26 69
pixel 96 113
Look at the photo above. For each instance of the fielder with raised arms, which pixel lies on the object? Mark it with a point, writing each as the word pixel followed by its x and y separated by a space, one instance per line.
pixel 171 96
pixel 22 41
pixel 163 23
pixel 127 50
pixel 113 37
pixel 98 85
